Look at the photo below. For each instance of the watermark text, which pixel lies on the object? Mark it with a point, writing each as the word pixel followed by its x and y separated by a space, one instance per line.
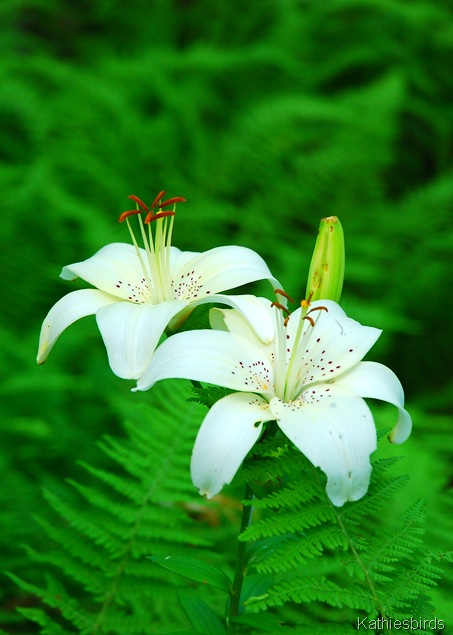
pixel 383 623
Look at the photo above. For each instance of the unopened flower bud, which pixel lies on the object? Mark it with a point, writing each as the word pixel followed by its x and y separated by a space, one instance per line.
pixel 325 279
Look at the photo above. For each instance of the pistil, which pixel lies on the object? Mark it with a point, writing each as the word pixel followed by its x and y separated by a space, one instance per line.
pixel 300 348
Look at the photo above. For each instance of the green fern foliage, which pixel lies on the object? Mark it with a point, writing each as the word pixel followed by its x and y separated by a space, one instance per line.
pixel 344 562
pixel 99 578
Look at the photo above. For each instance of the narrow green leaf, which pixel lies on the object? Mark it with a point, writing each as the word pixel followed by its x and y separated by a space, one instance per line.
pixel 201 617
pixel 194 570
pixel 255 587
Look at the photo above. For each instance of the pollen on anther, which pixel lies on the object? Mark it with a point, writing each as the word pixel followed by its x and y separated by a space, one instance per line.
pixel 171 201
pixel 284 294
pixel 125 215
pixel 280 306
pixel 139 202
pixel 157 199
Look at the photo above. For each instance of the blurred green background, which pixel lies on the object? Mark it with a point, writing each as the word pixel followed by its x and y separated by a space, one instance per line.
pixel 265 116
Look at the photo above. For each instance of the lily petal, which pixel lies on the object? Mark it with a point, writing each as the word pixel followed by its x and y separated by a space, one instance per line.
pixel 180 259
pixel 248 310
pixel 319 315
pixel 220 269
pixel 228 432
pixel 65 312
pixel 370 379
pixel 215 357
pixel 334 428
pixel 115 268
pixel 131 333
pixel 334 345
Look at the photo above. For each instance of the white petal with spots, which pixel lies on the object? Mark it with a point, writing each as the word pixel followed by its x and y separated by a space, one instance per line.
pixel 332 347
pixel 220 269
pixel 116 269
pixel 334 428
pixel 211 356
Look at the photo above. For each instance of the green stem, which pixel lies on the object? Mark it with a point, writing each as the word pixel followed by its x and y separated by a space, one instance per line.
pixel 241 564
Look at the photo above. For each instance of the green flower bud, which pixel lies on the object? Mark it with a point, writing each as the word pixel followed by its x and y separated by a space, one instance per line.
pixel 325 279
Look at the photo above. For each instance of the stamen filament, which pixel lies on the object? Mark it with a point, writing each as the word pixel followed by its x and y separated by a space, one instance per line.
pixel 143 233
pixel 157 245
pixel 167 258
pixel 301 344
pixel 138 252
pixel 164 266
pixel 280 353
pixel 154 263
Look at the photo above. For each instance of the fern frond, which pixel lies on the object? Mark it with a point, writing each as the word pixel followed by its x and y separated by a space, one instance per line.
pixel 207 395
pixel 303 590
pixel 389 569
pixel 101 580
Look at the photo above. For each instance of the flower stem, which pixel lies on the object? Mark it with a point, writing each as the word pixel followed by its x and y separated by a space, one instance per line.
pixel 241 564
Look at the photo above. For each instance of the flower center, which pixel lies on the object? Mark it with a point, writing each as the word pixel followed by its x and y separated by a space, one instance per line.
pixel 155 262
pixel 293 349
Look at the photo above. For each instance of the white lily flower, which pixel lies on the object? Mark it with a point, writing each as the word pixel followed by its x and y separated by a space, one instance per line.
pixel 140 292
pixel 309 378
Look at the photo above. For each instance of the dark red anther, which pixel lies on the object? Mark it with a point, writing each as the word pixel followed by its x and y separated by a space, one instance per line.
pixel 280 306
pixel 175 199
pixel 157 199
pixel 311 320
pixel 318 308
pixel 139 202
pixel 284 294
pixel 125 215
pixel 151 216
